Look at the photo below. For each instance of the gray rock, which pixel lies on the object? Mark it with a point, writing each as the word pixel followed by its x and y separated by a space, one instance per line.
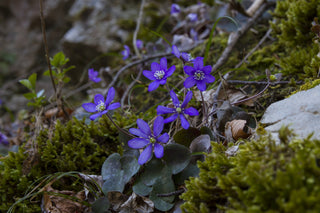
pixel 300 111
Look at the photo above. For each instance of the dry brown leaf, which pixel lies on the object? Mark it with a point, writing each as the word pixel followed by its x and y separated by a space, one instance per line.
pixel 237 129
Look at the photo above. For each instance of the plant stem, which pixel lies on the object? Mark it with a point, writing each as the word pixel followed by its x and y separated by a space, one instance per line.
pixel 120 129
pixel 204 108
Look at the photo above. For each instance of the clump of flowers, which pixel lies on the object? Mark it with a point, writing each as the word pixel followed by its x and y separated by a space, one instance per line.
pixel 179 110
pixel 125 52
pixel 101 106
pixel 198 75
pixel 93 76
pixel 158 74
pixel 150 141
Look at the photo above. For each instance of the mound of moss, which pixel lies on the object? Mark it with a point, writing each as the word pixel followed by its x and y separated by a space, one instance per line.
pixel 262 177
pixel 74 146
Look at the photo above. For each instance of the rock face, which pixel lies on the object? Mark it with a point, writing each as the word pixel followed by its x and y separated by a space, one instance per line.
pixel 300 111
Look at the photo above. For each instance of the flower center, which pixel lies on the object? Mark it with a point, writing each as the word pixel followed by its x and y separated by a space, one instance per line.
pixel 101 106
pixel 178 109
pixel 159 74
pixel 199 75
pixel 152 140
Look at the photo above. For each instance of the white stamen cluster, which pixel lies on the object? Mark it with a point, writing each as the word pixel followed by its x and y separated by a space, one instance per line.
pixel 199 75
pixel 159 74
pixel 101 106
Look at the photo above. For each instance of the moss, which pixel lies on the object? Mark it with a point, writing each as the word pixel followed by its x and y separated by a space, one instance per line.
pixel 309 84
pixel 74 146
pixel 261 177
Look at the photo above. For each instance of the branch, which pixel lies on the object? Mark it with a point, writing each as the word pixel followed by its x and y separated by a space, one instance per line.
pixel 137 29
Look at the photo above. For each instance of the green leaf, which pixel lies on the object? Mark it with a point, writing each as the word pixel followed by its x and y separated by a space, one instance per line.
pixel 207 131
pixel 67 69
pixel 47 73
pixel 191 170
pixel 177 157
pixel 58 60
pixel 30 95
pixel 112 174
pixel 101 205
pixel 152 171
pixel 26 83
pixel 141 189
pixel 130 167
pixel 32 79
pixel 163 185
pixel 66 80
pixel 186 136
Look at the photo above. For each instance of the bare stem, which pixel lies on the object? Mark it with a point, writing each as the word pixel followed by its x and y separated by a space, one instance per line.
pixel 120 129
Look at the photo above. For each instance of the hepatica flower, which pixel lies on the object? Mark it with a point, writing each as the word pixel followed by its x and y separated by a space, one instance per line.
pixel 125 52
pixel 3 139
pixel 101 106
pixel 185 57
pixel 158 74
pixel 139 44
pixel 179 110
pixel 93 75
pixel 193 17
pixel 175 9
pixel 198 74
pixel 150 141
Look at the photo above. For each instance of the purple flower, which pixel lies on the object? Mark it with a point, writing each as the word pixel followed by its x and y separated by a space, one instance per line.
pixel 158 74
pixel 100 105
pixel 192 17
pixel 149 141
pixel 198 74
pixel 185 57
pixel 179 110
pixel 194 34
pixel 93 75
pixel 3 139
pixel 125 52
pixel 139 44
pixel 175 9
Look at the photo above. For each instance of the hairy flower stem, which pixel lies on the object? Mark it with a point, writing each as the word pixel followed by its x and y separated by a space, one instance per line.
pixel 120 129
pixel 204 108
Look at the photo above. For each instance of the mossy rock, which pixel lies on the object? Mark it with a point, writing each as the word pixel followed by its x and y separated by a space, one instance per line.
pixel 262 177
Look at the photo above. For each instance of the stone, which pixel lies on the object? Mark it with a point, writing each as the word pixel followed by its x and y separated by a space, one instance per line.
pixel 300 111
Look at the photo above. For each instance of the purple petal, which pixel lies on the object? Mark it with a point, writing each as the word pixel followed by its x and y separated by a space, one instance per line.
pixel 189 82
pixel 155 66
pixel 198 63
pixel 158 150
pixel 184 123
pixel 143 126
pixel 110 96
pixel 158 126
pixel 189 70
pixel 187 99
pixel 138 132
pixel 94 116
pixel 164 110
pixel 191 111
pixel 207 69
pixel 114 106
pixel 145 155
pixel 89 107
pixel 137 143
pixel 171 118
pixel 98 98
pixel 163 81
pixel 175 51
pixel 96 80
pixel 186 57
pixel 163 63
pixel 153 86
pixel 201 85
pixel 175 9
pixel 149 75
pixel 209 79
pixel 170 71
pixel 164 138
pixel 174 98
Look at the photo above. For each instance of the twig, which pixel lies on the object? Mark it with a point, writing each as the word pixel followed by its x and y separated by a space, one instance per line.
pixel 236 36
pixel 119 128
pixel 179 191
pixel 137 29
pixel 252 97
pixel 255 48
pixel 129 87
pixel 43 27
pixel 260 82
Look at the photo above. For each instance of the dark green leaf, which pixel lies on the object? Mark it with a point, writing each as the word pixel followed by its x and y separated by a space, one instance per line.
pixel 177 157
pixel 152 172
pixel 206 130
pixel 191 170
pixel 101 205
pixel 186 136
pixel 141 189
pixel 112 174
pixel 130 167
pixel 29 95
